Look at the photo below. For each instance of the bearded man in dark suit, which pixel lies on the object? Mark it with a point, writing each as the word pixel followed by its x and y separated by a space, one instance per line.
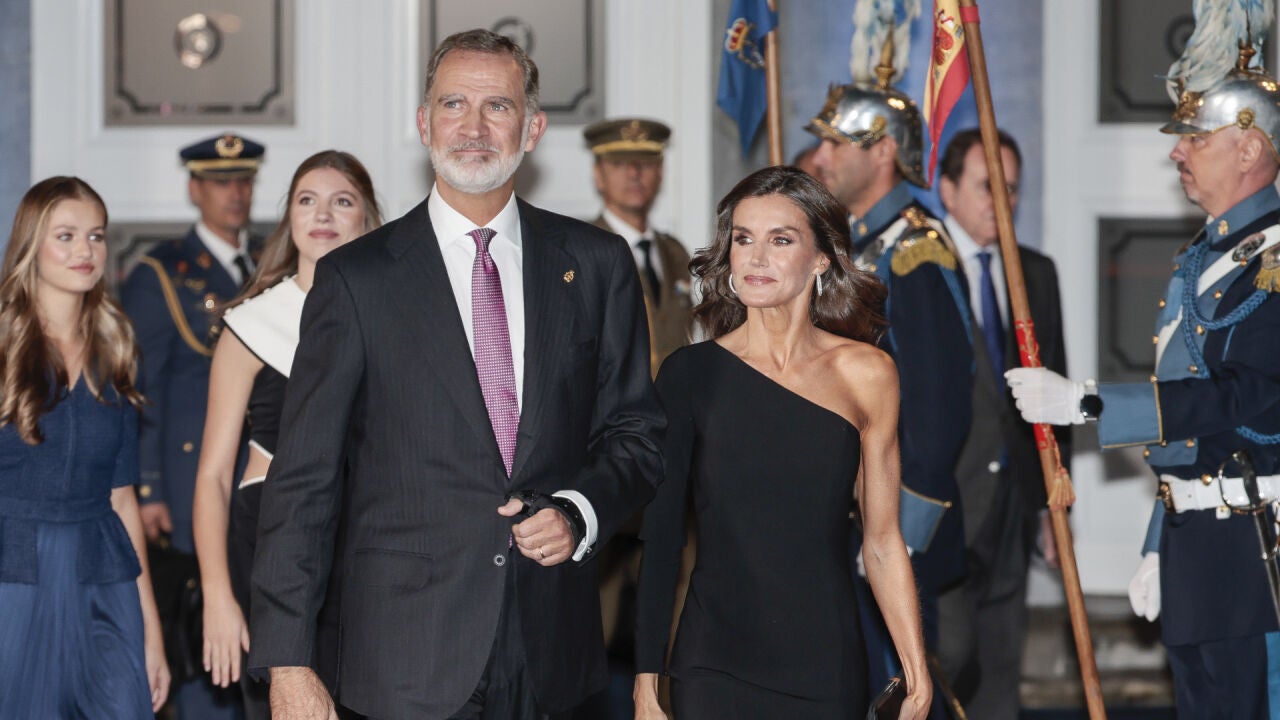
pixel 470 403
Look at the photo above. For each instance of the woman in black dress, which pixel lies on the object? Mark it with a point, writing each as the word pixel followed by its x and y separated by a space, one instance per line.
pixel 773 423
pixel 330 203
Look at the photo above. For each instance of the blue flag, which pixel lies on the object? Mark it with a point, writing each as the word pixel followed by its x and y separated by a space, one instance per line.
pixel 742 91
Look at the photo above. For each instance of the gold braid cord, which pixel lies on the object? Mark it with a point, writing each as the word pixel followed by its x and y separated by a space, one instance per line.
pixel 175 307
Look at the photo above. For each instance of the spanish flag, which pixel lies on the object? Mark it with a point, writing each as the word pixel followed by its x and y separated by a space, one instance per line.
pixel 948 69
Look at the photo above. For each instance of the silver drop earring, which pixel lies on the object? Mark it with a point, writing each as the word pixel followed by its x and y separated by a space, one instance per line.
pixel 732 289
pixel 818 283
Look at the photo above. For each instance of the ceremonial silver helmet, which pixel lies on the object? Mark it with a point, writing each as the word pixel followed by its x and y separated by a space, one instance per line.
pixel 1245 98
pixel 864 113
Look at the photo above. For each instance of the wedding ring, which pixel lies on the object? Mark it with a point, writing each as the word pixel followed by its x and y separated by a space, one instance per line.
pixel 542 554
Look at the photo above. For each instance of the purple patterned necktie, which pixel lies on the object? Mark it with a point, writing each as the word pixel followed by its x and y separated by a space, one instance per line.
pixel 493 347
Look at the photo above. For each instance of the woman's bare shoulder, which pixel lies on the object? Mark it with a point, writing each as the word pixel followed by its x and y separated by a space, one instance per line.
pixel 861 362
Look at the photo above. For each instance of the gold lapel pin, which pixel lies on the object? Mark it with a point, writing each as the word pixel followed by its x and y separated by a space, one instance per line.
pixel 568 276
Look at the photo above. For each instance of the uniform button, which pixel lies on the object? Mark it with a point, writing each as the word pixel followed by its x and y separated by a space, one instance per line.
pixel 1154 378
pixel 1217 294
pixel 1146 452
pixel 1193 369
pixel 1199 329
pixel 499 560
pixel 144 491
pixel 1206 479
pixel 993 466
pixel 1191 443
pixel 188 447
pixel 1155 339
pixel 1162 303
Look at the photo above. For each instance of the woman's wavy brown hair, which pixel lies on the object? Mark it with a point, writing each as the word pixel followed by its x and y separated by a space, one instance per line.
pixel 852 301
pixel 279 255
pixel 33 375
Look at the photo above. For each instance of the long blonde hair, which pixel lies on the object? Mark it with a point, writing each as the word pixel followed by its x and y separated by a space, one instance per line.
pixel 31 369
pixel 279 254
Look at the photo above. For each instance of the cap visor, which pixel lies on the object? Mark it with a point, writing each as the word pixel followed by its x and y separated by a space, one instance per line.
pixel 1177 127
pixel 229 174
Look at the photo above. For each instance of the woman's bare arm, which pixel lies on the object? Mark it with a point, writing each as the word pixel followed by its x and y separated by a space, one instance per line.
pixel 230 382
pixel 873 382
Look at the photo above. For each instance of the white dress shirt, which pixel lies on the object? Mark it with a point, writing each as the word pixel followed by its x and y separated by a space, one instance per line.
pixel 969 250
pixel 507 250
pixel 224 253
pixel 633 238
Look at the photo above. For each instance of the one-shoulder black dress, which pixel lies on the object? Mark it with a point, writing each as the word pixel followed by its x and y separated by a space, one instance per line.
pixel 770 625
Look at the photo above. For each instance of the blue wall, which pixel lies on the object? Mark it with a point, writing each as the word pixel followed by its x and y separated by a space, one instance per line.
pixel 15 121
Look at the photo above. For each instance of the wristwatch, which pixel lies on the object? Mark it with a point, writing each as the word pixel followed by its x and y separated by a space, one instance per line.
pixel 1091 403
pixel 535 501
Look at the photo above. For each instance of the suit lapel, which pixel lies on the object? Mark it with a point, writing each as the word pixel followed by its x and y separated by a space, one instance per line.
pixel 429 313
pixel 549 316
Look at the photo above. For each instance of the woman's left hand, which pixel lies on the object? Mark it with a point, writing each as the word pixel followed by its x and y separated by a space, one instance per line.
pixel 916 706
pixel 157 671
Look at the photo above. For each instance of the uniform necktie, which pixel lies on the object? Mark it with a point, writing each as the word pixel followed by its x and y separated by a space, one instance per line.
pixel 992 323
pixel 243 267
pixel 493 347
pixel 650 274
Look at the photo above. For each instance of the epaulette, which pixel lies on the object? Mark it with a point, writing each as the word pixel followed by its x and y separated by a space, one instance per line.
pixel 920 243
pixel 1268 278
pixel 916 218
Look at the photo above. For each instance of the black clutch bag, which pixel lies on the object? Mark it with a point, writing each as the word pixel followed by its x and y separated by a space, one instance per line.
pixel 889 704
pixel 175 580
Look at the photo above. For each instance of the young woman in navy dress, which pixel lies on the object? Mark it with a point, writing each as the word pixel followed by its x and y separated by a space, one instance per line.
pixel 772 424
pixel 330 202
pixel 79 633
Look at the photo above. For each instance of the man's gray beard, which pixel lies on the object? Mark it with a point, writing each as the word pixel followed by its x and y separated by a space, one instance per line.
pixel 476 177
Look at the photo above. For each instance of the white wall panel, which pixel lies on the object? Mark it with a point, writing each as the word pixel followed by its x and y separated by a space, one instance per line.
pixel 1091 171
pixel 357 89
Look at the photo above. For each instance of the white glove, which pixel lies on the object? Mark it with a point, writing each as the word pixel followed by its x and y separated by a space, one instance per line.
pixel 1044 396
pixel 1144 588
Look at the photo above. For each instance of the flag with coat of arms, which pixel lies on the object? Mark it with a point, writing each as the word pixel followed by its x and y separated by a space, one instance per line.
pixel 742 92
pixel 948 70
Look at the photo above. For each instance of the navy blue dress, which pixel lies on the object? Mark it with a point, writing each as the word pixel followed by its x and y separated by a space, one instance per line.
pixel 71 637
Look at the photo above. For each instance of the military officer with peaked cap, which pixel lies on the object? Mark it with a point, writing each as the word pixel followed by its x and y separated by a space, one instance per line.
pixel 1215 391
pixel 871 151
pixel 628 173
pixel 173 297
pixel 628 176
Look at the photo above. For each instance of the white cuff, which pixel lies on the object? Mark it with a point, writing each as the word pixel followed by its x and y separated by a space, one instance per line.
pixel 588 519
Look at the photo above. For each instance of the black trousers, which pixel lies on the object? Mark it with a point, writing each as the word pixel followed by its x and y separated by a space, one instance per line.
pixel 505 690
pixel 1221 680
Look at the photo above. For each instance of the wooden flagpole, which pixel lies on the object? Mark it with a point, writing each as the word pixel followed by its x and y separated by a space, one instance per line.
pixel 1057 480
pixel 773 95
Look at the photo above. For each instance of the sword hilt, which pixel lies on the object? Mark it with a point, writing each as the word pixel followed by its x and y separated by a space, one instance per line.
pixel 1249 477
